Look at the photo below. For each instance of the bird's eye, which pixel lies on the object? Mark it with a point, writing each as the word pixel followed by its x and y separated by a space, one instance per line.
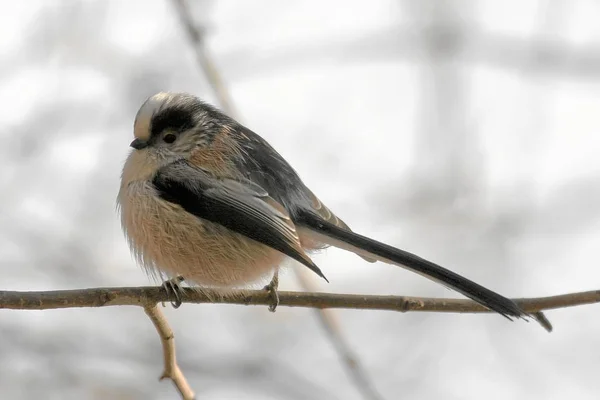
pixel 169 138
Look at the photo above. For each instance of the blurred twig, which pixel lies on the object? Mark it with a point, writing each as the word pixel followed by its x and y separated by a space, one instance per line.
pixel 203 58
pixel 150 295
pixel 332 328
pixel 167 339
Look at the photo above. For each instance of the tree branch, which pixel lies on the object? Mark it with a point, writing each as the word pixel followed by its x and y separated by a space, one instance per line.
pixel 167 339
pixel 151 295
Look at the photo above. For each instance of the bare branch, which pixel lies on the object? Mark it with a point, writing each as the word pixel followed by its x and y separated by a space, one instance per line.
pixel 167 339
pixel 150 295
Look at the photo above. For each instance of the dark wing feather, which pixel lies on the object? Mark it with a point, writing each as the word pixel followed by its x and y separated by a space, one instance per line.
pixel 267 168
pixel 242 207
pixel 387 253
pixel 263 165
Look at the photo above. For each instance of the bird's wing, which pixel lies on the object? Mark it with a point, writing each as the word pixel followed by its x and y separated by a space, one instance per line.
pixel 239 205
pixel 316 224
pixel 265 166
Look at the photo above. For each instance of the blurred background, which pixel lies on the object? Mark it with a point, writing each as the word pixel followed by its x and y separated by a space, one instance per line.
pixel 463 131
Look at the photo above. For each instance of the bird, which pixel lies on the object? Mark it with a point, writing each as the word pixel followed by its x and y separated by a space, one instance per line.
pixel 206 200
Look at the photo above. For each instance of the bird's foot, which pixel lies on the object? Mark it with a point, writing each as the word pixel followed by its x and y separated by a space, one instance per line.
pixel 174 290
pixel 272 289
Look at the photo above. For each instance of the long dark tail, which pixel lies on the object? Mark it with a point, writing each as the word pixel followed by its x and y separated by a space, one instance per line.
pixel 331 234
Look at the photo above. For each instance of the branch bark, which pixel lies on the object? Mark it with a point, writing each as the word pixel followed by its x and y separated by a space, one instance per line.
pixel 167 339
pixel 151 295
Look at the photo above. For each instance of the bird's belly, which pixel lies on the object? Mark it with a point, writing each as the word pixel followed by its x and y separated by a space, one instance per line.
pixel 166 238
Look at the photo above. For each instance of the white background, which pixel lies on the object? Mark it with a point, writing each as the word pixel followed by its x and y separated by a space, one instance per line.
pixel 466 132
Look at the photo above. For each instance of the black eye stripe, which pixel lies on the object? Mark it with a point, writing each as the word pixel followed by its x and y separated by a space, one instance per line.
pixel 173 118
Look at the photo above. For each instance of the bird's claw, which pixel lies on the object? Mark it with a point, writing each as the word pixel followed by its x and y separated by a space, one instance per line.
pixel 173 289
pixel 272 289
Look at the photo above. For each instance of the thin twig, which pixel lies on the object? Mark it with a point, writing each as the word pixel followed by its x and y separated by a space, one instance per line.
pixel 203 58
pixel 149 297
pixel 142 296
pixel 540 317
pixel 167 338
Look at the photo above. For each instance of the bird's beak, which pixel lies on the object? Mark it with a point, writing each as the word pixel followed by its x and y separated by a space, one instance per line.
pixel 139 144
